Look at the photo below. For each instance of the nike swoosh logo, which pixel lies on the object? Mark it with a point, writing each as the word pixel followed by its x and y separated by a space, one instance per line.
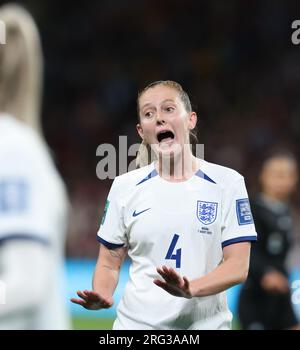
pixel 140 212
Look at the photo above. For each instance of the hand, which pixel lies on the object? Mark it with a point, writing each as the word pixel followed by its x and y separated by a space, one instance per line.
pixel 92 301
pixel 173 283
pixel 275 282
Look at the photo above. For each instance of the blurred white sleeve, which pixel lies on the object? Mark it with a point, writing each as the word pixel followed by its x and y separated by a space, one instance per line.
pixel 23 271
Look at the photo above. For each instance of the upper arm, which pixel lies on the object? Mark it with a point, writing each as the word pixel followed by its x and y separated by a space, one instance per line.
pixel 239 251
pixel 240 254
pixel 238 257
pixel 112 231
pixel 112 258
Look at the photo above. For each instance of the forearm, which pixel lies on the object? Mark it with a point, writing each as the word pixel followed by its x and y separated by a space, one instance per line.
pixel 105 280
pixel 107 270
pixel 229 273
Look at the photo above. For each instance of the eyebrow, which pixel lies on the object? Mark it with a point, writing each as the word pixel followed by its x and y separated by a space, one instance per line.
pixel 149 103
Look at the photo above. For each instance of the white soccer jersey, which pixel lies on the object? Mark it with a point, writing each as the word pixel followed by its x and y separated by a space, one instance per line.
pixel 33 207
pixel 183 225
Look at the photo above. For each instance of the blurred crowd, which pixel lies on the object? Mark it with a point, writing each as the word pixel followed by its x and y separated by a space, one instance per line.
pixel 234 58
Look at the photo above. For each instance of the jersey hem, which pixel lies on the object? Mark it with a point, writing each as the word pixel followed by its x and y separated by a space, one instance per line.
pixel 109 245
pixel 238 240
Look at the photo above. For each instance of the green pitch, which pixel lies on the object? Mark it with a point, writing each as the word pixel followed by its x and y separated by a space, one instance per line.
pixel 104 323
pixel 92 323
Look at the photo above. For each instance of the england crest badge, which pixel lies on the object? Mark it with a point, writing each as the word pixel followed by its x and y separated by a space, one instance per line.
pixel 207 212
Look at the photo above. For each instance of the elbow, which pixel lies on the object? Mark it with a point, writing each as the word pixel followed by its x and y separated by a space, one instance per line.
pixel 241 269
pixel 242 274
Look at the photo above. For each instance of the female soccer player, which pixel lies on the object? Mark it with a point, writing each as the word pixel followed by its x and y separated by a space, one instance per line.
pixel 185 223
pixel 33 201
pixel 265 300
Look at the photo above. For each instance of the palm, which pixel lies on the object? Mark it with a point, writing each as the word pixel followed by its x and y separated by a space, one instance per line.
pixel 173 283
pixel 92 301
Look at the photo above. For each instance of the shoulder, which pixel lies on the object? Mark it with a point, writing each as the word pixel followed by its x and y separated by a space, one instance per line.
pixel 19 142
pixel 221 175
pixel 24 152
pixel 132 178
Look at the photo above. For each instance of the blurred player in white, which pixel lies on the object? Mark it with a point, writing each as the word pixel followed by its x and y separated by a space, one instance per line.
pixel 187 227
pixel 33 201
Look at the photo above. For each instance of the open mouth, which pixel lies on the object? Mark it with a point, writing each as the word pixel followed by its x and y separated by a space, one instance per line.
pixel 165 136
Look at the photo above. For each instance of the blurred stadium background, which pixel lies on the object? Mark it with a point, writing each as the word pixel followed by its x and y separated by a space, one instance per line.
pixel 235 59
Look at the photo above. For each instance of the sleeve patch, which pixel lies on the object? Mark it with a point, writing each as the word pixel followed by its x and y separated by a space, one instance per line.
pixel 105 211
pixel 243 212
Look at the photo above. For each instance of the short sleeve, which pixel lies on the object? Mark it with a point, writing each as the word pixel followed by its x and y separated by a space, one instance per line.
pixel 23 205
pixel 237 220
pixel 112 232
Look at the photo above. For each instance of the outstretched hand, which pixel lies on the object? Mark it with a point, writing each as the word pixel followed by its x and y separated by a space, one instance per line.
pixel 173 283
pixel 92 301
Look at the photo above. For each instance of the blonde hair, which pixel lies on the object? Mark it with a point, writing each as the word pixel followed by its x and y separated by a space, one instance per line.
pixel 21 67
pixel 144 154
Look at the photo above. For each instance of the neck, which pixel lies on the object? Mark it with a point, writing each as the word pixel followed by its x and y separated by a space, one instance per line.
pixel 177 168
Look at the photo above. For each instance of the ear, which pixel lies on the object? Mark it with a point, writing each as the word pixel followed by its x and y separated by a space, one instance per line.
pixel 140 130
pixel 192 121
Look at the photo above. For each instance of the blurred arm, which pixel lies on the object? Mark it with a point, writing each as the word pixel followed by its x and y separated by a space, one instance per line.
pixel 24 268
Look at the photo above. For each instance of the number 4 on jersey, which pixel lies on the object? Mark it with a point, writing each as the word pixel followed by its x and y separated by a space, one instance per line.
pixel 177 256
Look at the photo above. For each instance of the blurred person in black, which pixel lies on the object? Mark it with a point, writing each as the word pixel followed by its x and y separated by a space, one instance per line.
pixel 265 299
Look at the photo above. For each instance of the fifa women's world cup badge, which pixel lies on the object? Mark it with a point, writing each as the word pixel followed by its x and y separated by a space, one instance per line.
pixel 105 211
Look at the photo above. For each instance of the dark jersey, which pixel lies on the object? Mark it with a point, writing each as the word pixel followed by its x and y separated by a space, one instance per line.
pixel 259 309
pixel 274 227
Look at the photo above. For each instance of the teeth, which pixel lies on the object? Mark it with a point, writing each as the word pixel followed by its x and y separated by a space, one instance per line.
pixel 166 139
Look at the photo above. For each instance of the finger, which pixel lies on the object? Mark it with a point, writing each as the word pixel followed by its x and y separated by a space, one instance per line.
pixel 92 294
pixel 162 272
pixel 170 271
pixel 78 301
pixel 165 269
pixel 167 287
pixel 159 283
pixel 166 277
pixel 82 295
pixel 186 282
pixel 174 275
pixel 173 272
pixel 159 270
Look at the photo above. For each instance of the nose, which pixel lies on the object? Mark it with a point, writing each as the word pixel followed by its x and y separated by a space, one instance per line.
pixel 159 119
